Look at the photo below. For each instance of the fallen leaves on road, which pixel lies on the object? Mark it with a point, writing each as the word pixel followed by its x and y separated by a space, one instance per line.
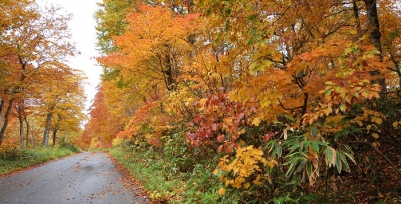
pixel 127 180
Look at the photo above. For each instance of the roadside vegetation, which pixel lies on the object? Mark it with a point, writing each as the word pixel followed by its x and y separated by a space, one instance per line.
pixel 13 158
pixel 252 101
pixel 168 178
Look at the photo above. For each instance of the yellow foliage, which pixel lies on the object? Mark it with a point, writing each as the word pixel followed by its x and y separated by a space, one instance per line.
pixel 242 131
pixel 240 172
pixel 222 191
pixel 377 120
pixel 256 121
pixel 272 163
pixel 334 124
pixel 117 141
pixel 395 124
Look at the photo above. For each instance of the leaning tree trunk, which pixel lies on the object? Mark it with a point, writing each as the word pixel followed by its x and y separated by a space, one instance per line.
pixel 3 129
pixel 49 117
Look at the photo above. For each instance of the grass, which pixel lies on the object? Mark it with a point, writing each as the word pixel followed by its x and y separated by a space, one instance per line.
pixel 13 159
pixel 149 175
pixel 165 184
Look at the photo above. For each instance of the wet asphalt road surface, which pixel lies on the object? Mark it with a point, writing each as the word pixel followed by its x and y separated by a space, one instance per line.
pixel 83 178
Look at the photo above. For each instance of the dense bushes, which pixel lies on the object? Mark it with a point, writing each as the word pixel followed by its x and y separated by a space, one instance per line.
pixel 68 145
pixel 10 152
pixel 173 173
pixel 177 173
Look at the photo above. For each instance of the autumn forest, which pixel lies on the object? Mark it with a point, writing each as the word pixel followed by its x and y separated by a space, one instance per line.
pixel 248 101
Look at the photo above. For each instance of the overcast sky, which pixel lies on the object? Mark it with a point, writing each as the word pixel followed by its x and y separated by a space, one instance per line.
pixel 83 31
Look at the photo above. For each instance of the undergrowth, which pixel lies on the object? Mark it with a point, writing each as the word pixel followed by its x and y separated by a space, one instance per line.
pixel 13 158
pixel 172 174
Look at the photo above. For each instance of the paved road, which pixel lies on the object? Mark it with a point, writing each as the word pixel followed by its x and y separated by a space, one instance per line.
pixel 82 178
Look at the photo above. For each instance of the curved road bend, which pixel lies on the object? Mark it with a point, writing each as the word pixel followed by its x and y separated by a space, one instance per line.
pixel 83 178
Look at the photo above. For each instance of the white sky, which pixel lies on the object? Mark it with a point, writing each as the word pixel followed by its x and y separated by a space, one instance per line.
pixel 82 27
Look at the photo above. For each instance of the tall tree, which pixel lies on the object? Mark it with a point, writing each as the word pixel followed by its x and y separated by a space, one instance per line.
pixel 37 41
pixel 110 20
pixel 61 98
pixel 159 50
pixel 21 114
pixel 150 58
pixel 13 16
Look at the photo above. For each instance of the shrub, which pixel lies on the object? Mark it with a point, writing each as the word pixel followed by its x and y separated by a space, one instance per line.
pixel 68 145
pixel 11 153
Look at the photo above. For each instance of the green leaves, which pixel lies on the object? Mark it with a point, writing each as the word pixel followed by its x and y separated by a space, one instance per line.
pixel 303 155
pixel 330 156
pixel 260 65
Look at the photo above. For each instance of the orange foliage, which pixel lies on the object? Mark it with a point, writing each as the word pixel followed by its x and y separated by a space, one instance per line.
pixel 292 74
pixel 102 125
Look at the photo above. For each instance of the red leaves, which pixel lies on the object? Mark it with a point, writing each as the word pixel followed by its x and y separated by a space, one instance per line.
pixel 266 137
pixel 220 121
pixel 220 138
pixel 214 126
pixel 239 116
pixel 197 118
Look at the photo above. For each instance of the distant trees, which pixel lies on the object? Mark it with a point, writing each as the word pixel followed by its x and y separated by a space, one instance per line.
pixel 102 126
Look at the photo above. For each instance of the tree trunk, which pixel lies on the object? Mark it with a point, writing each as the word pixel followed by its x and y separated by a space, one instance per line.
pixel 357 19
pixel 49 117
pixel 375 36
pixel 1 111
pixel 21 131
pixel 20 108
pixel 373 23
pixel 54 135
pixel 27 132
pixel 3 129
pixel 169 80
pixel 33 140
